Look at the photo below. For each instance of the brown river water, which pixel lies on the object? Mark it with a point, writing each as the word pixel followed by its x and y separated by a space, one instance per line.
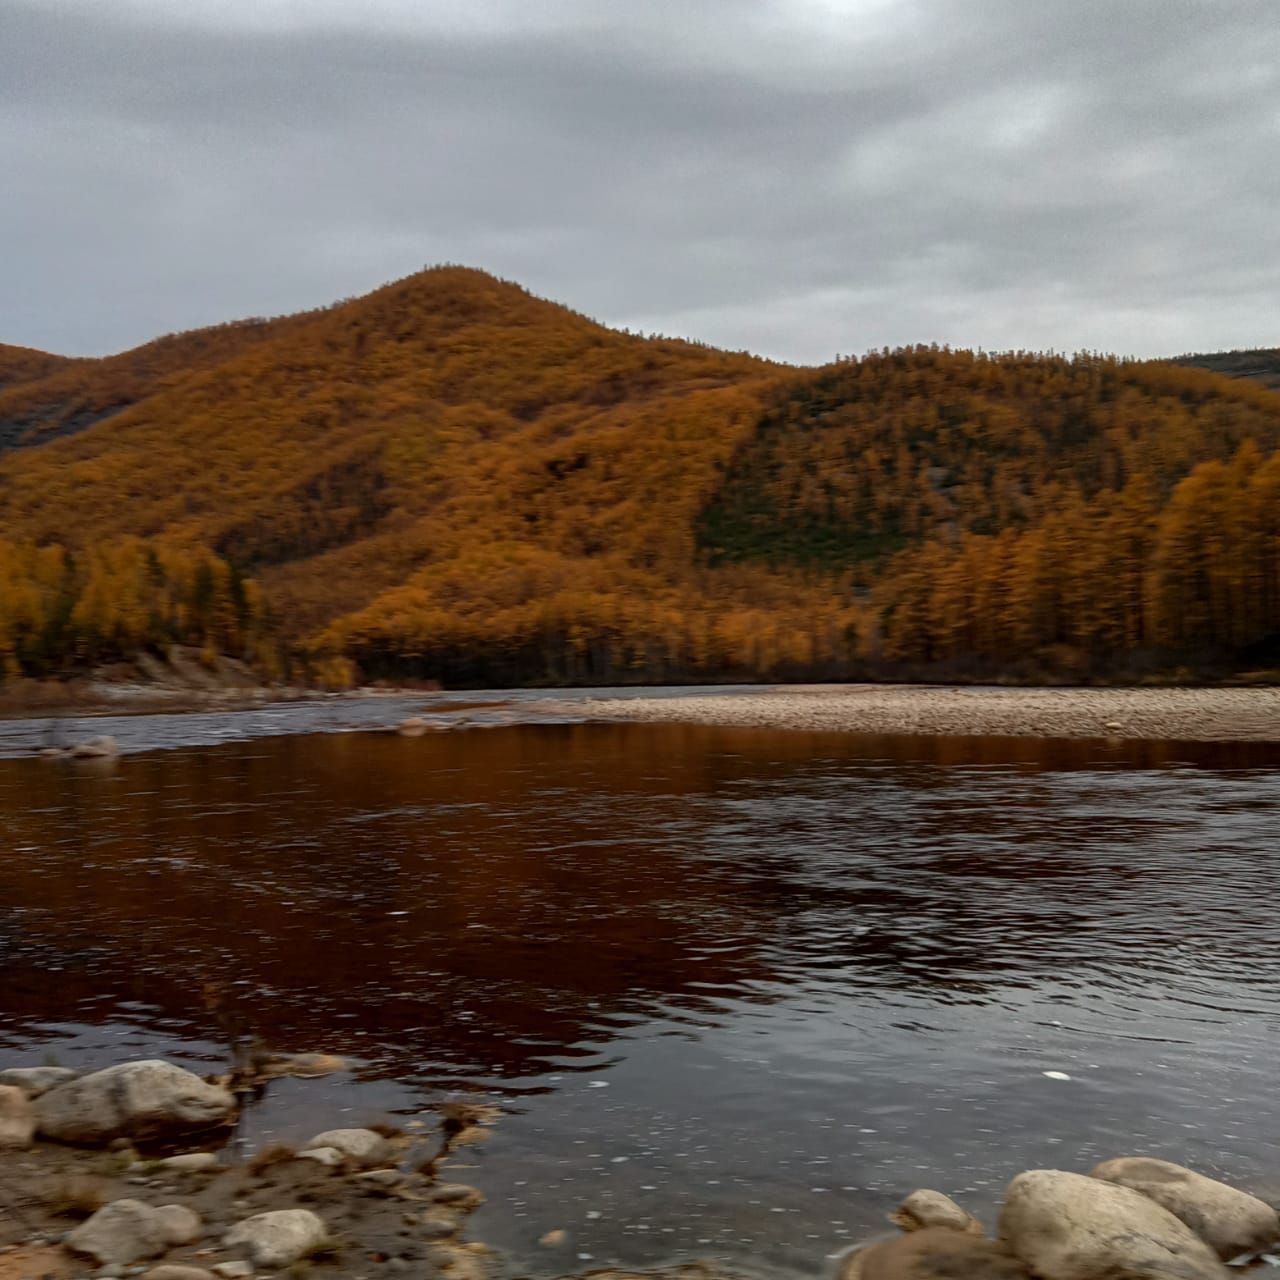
pixel 735 991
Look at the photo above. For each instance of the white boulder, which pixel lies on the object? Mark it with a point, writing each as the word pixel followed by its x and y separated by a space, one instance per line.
pixel 1229 1221
pixel 277 1239
pixel 362 1145
pixel 1066 1226
pixel 150 1099
pixel 126 1231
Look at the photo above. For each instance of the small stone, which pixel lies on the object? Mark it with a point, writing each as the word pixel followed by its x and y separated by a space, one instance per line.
pixel 17 1117
pixel 178 1224
pixel 439 1224
pixel 397 1264
pixel 554 1239
pixel 191 1162
pixel 278 1239
pixel 306 1066
pixel 380 1178
pixel 457 1193
pixel 923 1209
pixel 33 1081
pixel 233 1270
pixel 174 1271
pixel 360 1144
pixel 110 1271
pixel 460 1262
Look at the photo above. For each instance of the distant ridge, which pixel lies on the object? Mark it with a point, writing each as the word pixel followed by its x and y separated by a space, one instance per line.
pixel 1261 365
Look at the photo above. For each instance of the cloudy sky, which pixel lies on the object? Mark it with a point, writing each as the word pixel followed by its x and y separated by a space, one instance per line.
pixel 799 177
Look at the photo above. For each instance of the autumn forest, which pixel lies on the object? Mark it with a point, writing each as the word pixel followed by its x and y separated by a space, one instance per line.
pixel 452 479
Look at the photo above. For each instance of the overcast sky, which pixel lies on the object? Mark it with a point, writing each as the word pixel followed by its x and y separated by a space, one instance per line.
pixel 798 177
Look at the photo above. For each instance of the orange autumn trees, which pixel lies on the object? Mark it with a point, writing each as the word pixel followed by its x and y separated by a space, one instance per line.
pixel 1091 585
pixel 453 478
pixel 117 599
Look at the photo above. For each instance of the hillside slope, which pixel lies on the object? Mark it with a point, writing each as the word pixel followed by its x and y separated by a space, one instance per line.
pixel 453 478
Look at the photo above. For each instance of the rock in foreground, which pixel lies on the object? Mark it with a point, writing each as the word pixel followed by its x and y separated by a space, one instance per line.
pixel 1229 1221
pixel 126 1231
pixel 138 1100
pixel 278 1239
pixel 1066 1226
pixel 17 1117
pixel 934 1253
pixel 923 1209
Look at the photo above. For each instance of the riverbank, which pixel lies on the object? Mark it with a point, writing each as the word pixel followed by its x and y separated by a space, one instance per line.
pixel 1190 715
pixel 130 1171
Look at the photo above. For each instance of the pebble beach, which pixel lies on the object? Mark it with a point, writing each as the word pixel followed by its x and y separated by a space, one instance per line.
pixel 1185 714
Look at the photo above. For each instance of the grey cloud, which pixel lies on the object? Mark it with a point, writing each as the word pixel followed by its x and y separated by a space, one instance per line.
pixel 789 176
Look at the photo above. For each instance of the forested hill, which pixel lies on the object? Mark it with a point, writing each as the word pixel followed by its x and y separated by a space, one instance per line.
pixel 453 478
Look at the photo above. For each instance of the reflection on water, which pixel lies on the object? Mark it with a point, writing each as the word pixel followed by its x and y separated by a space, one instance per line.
pixel 738 990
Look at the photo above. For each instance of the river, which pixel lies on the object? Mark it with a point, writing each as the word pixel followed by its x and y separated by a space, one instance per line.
pixel 735 991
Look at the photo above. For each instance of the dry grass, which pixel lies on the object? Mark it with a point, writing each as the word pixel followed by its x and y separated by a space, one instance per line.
pixel 272 1154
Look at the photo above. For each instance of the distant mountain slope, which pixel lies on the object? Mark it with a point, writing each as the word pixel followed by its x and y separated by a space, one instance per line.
pixel 59 397
pixel 1261 366
pixel 451 477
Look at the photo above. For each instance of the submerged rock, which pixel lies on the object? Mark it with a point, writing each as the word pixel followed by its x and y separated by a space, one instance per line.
pixel 1066 1226
pixel 461 1261
pixel 33 1081
pixel 1229 1221
pixel 306 1066
pixel 95 748
pixel 457 1194
pixel 931 1253
pixel 277 1239
pixel 126 1231
pixel 140 1100
pixel 924 1209
pixel 17 1117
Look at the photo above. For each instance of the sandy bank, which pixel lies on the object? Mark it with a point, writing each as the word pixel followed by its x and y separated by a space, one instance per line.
pixel 1192 715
